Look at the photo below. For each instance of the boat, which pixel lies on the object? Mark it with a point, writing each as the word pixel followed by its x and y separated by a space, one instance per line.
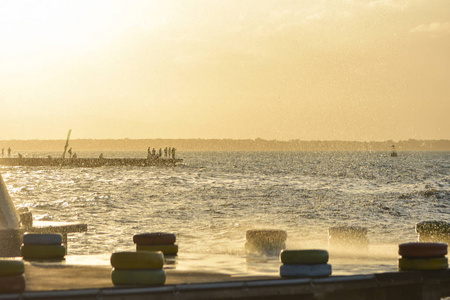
pixel 393 153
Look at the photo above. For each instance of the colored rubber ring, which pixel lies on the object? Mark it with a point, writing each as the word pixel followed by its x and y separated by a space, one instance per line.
pixel 422 249
pixel 138 260
pixel 438 263
pixel 299 271
pixel 154 238
pixel 43 252
pixel 138 277
pixel 269 235
pixel 347 231
pixel 304 257
pixel 10 267
pixel 12 284
pixel 165 249
pixel 42 239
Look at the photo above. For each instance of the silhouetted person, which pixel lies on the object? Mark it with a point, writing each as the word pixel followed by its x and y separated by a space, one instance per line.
pixel 9 151
pixel 153 152
pixel 170 152
pixel 101 156
pixel 173 153
pixel 160 152
pixel 70 153
pixel 74 156
pixel 165 152
pixel 3 152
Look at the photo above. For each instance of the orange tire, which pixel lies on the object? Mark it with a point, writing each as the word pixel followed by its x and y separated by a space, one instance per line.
pixel 422 250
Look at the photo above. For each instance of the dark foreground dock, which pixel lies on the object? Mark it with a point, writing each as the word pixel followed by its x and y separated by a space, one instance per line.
pixel 88 162
pixel 60 281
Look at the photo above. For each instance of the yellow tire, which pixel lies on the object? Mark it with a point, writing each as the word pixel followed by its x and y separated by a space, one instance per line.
pixel 138 260
pixel 9 267
pixel 138 277
pixel 43 252
pixel 438 263
pixel 166 249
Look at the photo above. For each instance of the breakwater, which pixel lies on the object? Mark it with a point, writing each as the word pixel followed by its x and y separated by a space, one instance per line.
pixel 88 162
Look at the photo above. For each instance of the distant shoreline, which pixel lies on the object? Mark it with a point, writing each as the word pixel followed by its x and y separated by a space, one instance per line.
pixel 222 145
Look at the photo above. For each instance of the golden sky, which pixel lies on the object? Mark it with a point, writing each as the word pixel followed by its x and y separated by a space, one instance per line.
pixel 365 70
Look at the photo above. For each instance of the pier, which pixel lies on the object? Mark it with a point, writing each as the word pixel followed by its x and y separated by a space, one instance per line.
pixel 64 281
pixel 88 162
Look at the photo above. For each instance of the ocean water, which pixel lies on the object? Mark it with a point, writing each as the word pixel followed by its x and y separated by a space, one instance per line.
pixel 212 198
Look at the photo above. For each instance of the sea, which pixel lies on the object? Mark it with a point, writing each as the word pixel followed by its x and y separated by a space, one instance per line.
pixel 211 199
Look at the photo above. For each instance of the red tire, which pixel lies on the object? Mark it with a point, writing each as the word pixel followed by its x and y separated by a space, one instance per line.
pixel 12 284
pixel 422 250
pixel 154 238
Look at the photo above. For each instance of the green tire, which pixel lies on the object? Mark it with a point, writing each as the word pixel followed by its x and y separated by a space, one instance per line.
pixel 138 260
pixel 304 257
pixel 138 277
pixel 439 263
pixel 43 252
pixel 165 249
pixel 9 267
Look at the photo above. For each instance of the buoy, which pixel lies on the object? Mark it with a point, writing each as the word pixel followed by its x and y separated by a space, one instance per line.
pixel 319 270
pixel 154 238
pixel 138 260
pixel 305 257
pixel 12 279
pixel 265 241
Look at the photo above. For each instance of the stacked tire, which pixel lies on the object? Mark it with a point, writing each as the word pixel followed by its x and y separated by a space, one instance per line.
pixel 42 247
pixel 143 268
pixel 304 263
pixel 265 241
pixel 12 279
pixel 433 231
pixel 422 256
pixel 348 238
pixel 156 241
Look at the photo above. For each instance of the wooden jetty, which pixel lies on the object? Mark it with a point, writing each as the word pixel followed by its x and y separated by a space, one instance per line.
pixel 88 162
pixel 61 281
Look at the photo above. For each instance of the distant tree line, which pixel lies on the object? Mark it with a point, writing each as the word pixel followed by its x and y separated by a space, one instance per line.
pixel 224 145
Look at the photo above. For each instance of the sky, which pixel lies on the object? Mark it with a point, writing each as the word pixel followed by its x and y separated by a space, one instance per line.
pixel 363 70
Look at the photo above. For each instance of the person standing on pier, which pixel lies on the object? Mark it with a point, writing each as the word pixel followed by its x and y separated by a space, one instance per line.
pixel 165 152
pixel 160 152
pixel 3 152
pixel 9 151
pixel 173 153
